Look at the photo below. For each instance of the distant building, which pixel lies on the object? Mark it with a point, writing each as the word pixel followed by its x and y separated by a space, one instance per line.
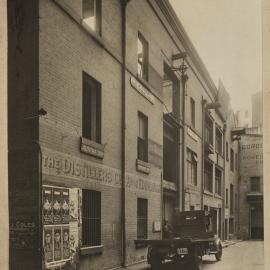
pixel 257 110
pixel 251 186
pixel 244 118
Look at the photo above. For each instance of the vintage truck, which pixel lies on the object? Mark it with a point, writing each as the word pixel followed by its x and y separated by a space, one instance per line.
pixel 191 237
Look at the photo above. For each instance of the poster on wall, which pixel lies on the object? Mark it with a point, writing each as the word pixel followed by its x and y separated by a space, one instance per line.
pixel 57 244
pixel 74 236
pixel 73 204
pixel 56 206
pixel 65 237
pixel 65 206
pixel 48 244
pixel 47 206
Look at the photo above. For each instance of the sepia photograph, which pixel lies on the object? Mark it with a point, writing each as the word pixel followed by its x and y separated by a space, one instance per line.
pixel 133 134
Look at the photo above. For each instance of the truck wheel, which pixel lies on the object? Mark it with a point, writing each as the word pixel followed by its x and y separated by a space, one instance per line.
pixel 218 255
pixel 196 263
pixel 156 265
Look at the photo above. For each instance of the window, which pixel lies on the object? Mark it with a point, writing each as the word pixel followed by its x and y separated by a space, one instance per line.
pixel 255 183
pixel 142 140
pixel 142 57
pixel 191 167
pixel 227 198
pixel 92 14
pixel 192 207
pixel 91 113
pixel 208 176
pixel 232 160
pixel 169 153
pixel 170 92
pixel 231 199
pixel 208 130
pixel 218 175
pixel 91 218
pixel 219 143
pixel 142 212
pixel 227 151
pixel 192 112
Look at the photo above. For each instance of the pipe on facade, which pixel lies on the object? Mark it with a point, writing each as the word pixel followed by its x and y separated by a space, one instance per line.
pixel 184 79
pixel 123 133
pixel 202 164
pixel 224 178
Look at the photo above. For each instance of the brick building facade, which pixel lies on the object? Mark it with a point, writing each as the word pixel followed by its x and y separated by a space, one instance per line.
pixel 107 131
pixel 251 186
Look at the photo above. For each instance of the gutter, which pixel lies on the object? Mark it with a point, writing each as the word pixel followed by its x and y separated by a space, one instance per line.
pixel 202 165
pixel 224 180
pixel 184 79
pixel 123 131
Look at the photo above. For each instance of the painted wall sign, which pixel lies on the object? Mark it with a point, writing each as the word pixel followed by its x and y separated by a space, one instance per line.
pixel 142 90
pixel 59 164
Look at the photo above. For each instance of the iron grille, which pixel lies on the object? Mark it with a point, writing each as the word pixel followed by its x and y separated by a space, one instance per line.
pixel 91 218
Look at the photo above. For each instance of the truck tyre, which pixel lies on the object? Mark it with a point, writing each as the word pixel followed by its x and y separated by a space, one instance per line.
pixel 218 255
pixel 196 261
pixel 156 265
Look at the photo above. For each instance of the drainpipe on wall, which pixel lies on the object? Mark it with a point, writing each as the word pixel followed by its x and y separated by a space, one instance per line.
pixel 224 180
pixel 202 164
pixel 123 133
pixel 184 79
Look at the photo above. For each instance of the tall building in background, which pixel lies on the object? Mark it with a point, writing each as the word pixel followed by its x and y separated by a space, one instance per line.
pixel 244 118
pixel 257 110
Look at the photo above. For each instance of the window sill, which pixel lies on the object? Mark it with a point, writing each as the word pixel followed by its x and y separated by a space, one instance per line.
pixel 139 243
pixel 209 193
pixel 218 196
pixel 142 166
pixel 92 148
pixel 91 250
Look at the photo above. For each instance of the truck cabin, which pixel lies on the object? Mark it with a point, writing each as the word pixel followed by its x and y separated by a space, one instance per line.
pixel 193 224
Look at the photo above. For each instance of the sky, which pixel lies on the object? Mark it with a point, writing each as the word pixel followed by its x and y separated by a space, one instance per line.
pixel 227 36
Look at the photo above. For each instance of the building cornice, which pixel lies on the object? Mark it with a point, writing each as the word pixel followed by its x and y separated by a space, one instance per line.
pixel 183 37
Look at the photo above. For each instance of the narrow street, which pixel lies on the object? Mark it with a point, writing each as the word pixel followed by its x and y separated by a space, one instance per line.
pixel 246 255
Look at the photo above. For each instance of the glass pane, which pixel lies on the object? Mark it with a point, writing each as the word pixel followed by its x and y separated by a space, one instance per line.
pixel 89 13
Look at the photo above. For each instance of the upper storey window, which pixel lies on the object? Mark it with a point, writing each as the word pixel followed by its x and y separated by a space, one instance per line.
pixel 92 14
pixel 142 57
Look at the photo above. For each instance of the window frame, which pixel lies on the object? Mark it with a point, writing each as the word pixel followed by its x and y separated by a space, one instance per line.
pixel 142 141
pixel 192 167
pixel 91 115
pixel 219 141
pixel 144 63
pixel 258 184
pixel 97 15
pixel 91 235
pixel 232 160
pixel 209 129
pixel 208 186
pixel 192 112
pixel 142 218
pixel 227 198
pixel 218 182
